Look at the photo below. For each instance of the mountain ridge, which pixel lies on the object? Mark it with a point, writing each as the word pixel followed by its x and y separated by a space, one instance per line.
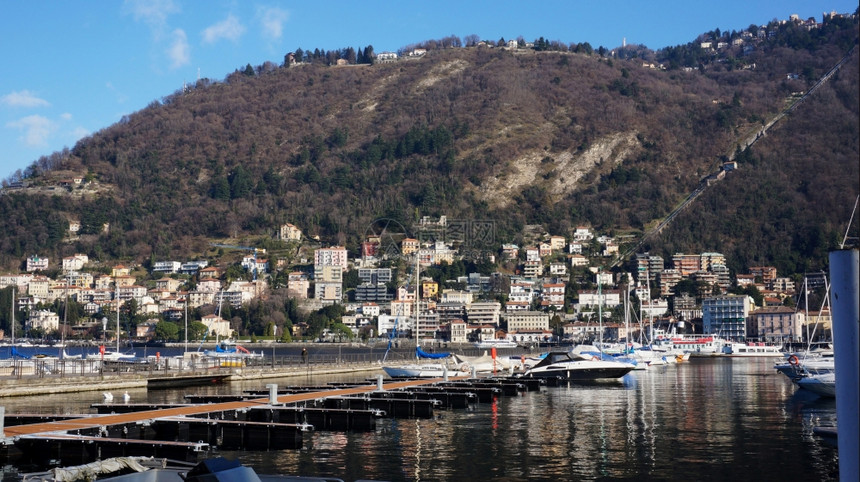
pixel 526 137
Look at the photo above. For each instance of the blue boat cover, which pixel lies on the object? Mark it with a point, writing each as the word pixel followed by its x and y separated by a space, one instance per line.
pixel 422 354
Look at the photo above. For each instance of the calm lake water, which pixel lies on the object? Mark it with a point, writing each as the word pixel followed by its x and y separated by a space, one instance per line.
pixel 708 419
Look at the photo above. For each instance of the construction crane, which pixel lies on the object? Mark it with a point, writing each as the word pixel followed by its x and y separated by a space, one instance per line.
pixel 243 248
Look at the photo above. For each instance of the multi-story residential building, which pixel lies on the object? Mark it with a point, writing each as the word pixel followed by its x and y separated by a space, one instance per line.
pixel 722 274
pixel 428 320
pixel 20 281
pixel 405 293
pixel 456 296
pixel 686 264
pixel 654 308
pixel 166 267
pixel 707 278
pixel 648 266
pixel 334 256
pixel 483 312
pixel 709 259
pixel 168 284
pixel 120 270
pixel 232 298
pixel 134 292
pixel 552 296
pixel 582 233
pixel 409 246
pixel 289 232
pixel 533 269
pixel 370 309
pixel 667 280
pixel 124 280
pixel 36 263
pixel 556 243
pixel 726 316
pixel 527 321
pixel 767 273
pixel 79 279
pixel 532 253
pixel 510 251
pixel 783 285
pixel 449 311
pixel 611 298
pixel 298 285
pixel 458 331
pixel 192 267
pixel 476 283
pixel 45 320
pixel 200 298
pixel 401 309
pixel 578 260
pixel 373 284
pixel 429 289
pixel 575 247
pixel 39 286
pixel 779 324
pixel 217 326
pixel 557 269
pixel 684 306
pixel 256 265
pixel 74 263
pixel 209 285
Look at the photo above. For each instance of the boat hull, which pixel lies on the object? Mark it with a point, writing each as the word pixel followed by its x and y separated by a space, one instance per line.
pixel 582 373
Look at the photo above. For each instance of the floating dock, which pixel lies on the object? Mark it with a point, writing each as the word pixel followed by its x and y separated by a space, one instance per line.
pixel 256 420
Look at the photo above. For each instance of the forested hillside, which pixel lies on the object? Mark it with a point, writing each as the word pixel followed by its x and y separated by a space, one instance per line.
pixel 526 136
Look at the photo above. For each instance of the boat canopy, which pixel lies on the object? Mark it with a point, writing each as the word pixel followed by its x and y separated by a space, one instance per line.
pixel 422 354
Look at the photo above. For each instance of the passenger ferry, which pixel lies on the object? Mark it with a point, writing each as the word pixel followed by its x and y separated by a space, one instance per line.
pixel 752 349
pixel 487 344
pixel 695 345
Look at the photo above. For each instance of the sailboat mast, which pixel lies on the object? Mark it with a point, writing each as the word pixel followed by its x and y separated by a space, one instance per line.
pixel 13 314
pixel 117 318
pixel 186 322
pixel 600 312
pixel 417 278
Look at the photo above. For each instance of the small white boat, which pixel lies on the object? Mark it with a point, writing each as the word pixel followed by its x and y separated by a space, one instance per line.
pixel 572 366
pixel 823 384
pixel 426 370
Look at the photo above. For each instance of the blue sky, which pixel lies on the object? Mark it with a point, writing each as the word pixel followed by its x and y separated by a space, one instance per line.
pixel 73 68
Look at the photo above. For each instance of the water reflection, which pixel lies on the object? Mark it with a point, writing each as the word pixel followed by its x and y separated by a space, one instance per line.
pixel 709 419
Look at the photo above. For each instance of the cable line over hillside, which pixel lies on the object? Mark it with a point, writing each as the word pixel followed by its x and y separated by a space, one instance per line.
pixel 745 144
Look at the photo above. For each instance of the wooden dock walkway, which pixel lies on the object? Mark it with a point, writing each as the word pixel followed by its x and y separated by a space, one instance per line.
pixel 99 421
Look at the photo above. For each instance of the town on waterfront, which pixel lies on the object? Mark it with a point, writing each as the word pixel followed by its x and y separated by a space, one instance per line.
pixel 470 290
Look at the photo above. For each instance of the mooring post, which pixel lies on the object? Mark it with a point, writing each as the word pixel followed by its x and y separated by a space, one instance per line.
pixel 845 303
pixel 379 383
pixel 273 393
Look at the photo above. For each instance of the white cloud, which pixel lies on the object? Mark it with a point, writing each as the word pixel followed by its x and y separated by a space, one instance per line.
pixel 66 116
pixel 179 52
pixel 230 29
pixel 79 133
pixel 272 20
pixel 24 98
pixel 37 129
pixel 152 12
